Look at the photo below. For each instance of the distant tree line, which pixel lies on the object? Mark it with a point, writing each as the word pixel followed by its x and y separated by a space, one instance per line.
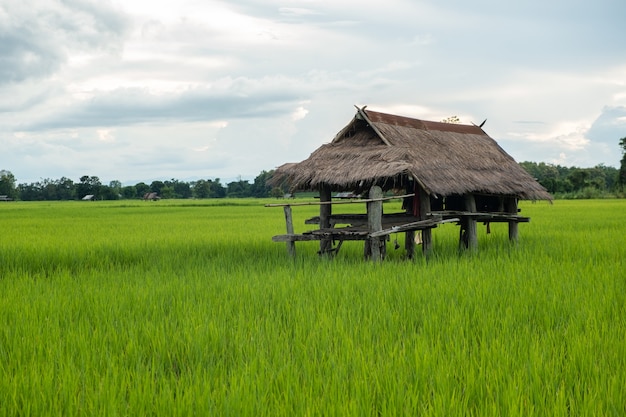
pixel 562 182
pixel 573 182
pixel 66 189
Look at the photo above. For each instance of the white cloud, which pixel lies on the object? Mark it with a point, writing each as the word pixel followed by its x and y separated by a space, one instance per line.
pixel 561 160
pixel 569 135
pixel 299 114
pixel 137 90
pixel 296 11
pixel 106 135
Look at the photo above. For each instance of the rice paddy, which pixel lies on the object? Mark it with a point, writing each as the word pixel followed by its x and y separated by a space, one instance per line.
pixel 189 308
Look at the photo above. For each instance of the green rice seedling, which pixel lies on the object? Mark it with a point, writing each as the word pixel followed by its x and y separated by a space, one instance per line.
pixel 188 307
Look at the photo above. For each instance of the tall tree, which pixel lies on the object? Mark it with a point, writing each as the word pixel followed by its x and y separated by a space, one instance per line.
pixel 182 189
pixel 116 188
pixel 88 186
pixel 129 192
pixel 217 189
pixel 156 186
pixel 238 189
pixel 142 188
pixel 202 189
pixel 7 184
pixel 621 179
pixel 65 188
pixel 260 188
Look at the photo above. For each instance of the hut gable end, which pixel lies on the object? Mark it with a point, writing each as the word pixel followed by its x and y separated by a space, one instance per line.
pixel 357 133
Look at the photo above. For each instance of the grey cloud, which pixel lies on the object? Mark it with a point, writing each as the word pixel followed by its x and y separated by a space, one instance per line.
pixel 137 106
pixel 92 19
pixel 609 127
pixel 24 54
pixel 469 36
pixel 603 147
pixel 470 59
pixel 37 38
pixel 529 122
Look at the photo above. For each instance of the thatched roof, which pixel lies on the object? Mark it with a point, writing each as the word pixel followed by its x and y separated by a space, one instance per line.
pixel 385 149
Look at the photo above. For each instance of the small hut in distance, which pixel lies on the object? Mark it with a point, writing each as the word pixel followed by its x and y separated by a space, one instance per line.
pixel 445 173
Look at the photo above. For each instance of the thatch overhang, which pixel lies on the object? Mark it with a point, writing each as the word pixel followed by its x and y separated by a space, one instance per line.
pixel 388 150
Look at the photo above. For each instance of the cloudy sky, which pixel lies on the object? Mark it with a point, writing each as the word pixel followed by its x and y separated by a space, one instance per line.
pixel 135 90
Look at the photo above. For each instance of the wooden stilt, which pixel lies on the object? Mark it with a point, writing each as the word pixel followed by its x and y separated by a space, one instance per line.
pixel 409 244
pixel 511 207
pixel 410 208
pixel 375 223
pixel 427 240
pixel 463 235
pixel 471 229
pixel 325 212
pixel 291 245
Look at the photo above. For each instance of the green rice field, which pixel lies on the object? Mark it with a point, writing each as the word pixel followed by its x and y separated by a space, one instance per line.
pixel 179 308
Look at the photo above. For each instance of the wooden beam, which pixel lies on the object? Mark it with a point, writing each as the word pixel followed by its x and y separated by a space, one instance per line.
pixel 321 203
pixel 479 216
pixel 419 225
pixel 307 237
pixel 294 238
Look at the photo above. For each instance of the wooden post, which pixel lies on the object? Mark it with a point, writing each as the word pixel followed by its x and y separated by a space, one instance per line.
pixel 427 239
pixel 468 225
pixel 510 204
pixel 409 243
pixel 409 207
pixel 291 245
pixel 325 212
pixel 375 223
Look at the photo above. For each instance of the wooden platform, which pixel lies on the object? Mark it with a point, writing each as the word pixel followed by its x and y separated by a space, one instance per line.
pixel 374 227
pixel 394 224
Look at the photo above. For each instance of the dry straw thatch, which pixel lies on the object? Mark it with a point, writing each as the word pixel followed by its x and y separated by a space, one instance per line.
pixel 384 149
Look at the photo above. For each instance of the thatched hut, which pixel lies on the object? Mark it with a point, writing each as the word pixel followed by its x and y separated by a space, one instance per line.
pixel 445 171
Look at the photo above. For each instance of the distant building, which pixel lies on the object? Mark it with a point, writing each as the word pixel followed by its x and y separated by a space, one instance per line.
pixel 151 196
